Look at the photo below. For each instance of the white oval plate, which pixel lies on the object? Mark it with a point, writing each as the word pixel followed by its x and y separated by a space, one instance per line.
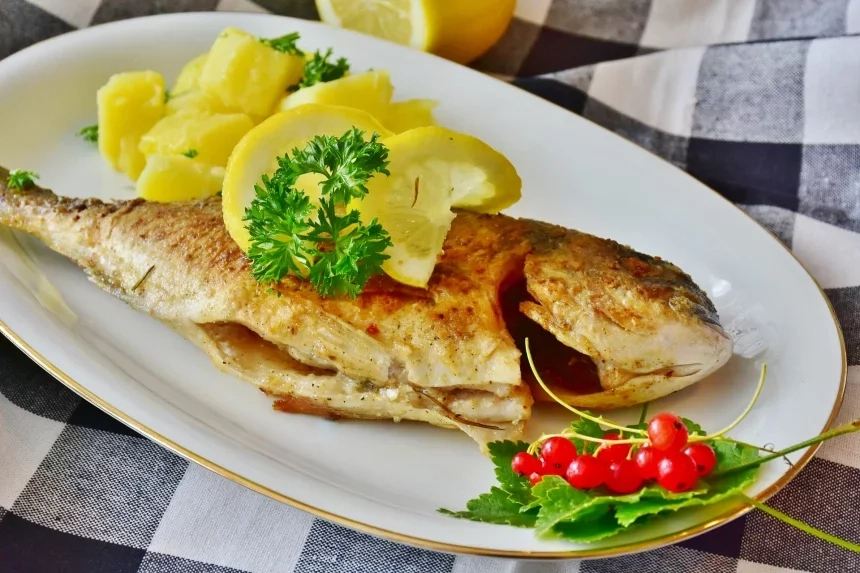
pixel 379 477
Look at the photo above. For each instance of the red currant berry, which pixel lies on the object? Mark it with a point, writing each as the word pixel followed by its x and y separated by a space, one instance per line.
pixel 616 453
pixel 667 432
pixel 676 472
pixel 525 464
pixel 646 459
pixel 549 469
pixel 623 477
pixel 704 457
pixel 586 472
pixel 556 454
pixel 535 478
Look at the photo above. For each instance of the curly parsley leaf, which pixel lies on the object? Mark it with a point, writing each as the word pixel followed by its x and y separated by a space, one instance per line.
pixel 320 69
pixel 347 163
pixel 278 219
pixel 348 252
pixel 90 133
pixel 337 253
pixel 191 153
pixel 285 43
pixel 20 179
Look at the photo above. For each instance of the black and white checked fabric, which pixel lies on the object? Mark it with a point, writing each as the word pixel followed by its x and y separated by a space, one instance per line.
pixel 760 99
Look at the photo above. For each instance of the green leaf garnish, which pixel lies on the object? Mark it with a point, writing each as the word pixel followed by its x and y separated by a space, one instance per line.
pixel 20 179
pixel 516 486
pixel 291 235
pixel 167 96
pixel 285 43
pixel 693 428
pixel 90 133
pixel 495 507
pixel 555 509
pixel 588 528
pixel 506 503
pixel 320 69
pixel 191 153
pixel 586 428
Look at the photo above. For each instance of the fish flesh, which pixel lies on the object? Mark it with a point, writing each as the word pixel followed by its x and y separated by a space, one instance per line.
pixel 609 326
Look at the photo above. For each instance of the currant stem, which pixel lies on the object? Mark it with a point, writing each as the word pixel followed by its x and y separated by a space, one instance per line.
pixel 535 446
pixel 601 441
pixel 643 414
pixel 802 526
pixel 743 415
pixel 837 431
pixel 596 419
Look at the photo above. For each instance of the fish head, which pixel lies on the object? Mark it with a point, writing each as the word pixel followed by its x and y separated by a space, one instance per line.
pixel 646 326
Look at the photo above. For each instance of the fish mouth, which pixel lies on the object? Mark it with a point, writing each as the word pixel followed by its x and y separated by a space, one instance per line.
pixel 558 365
pixel 596 381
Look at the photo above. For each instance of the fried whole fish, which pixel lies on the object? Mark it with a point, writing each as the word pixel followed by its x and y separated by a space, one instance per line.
pixel 445 355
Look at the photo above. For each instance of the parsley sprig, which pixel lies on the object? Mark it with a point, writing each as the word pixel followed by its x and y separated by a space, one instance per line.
pixel 90 133
pixel 285 43
pixel 320 69
pixel 290 234
pixel 20 179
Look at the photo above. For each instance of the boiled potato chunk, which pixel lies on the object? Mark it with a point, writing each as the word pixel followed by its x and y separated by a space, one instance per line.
pixel 367 91
pixel 178 178
pixel 129 104
pixel 247 75
pixel 405 115
pixel 196 101
pixel 212 136
pixel 189 77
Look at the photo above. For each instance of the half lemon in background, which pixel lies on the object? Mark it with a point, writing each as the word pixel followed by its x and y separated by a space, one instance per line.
pixel 459 30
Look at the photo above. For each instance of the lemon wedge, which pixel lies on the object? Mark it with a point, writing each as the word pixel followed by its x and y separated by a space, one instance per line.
pixel 432 170
pixel 257 152
pixel 460 30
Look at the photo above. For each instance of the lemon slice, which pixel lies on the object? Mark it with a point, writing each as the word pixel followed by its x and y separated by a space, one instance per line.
pixel 257 152
pixel 405 115
pixel 458 30
pixel 432 170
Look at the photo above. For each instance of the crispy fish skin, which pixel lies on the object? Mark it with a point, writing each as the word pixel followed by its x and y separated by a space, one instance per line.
pixel 440 355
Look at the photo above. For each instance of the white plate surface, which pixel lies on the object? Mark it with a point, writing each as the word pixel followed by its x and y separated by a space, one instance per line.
pixel 380 477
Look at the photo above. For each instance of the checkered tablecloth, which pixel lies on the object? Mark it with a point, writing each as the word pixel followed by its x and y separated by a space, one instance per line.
pixel 760 99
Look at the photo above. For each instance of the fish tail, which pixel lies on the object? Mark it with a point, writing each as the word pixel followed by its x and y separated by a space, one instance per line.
pixel 60 222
